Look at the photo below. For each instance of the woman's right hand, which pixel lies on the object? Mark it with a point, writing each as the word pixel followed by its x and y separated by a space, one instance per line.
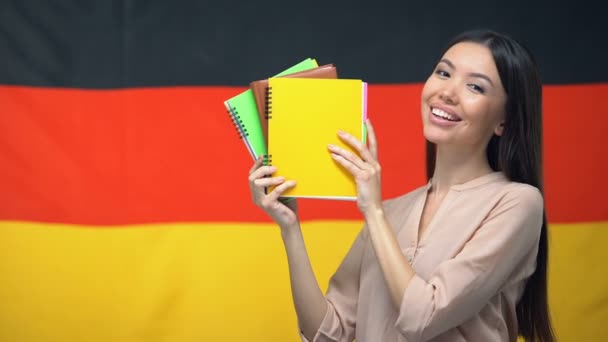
pixel 284 213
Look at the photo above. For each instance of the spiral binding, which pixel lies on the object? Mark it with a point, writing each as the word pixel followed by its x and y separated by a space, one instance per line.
pixel 237 122
pixel 267 159
pixel 268 113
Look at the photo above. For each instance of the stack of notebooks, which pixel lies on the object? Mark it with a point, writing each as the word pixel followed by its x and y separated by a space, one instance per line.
pixel 290 118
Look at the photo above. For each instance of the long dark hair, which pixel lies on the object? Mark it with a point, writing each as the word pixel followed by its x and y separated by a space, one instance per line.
pixel 517 153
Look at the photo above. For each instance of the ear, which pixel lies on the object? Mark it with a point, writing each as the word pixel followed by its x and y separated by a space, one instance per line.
pixel 499 130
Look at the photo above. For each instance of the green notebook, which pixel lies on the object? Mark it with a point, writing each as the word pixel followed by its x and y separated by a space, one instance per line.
pixel 244 113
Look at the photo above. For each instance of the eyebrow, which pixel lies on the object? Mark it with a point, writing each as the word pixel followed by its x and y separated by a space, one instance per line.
pixel 474 74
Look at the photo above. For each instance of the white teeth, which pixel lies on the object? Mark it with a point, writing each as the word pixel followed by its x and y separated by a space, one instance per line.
pixel 443 114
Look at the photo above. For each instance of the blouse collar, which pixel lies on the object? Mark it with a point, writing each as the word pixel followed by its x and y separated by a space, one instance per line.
pixel 476 182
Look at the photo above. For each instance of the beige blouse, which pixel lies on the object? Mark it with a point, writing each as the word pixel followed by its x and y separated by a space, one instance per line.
pixel 471 268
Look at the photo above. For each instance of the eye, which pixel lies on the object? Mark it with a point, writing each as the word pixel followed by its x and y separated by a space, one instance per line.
pixel 476 88
pixel 442 73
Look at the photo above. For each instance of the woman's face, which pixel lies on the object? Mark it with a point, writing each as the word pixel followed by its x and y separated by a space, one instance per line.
pixel 463 101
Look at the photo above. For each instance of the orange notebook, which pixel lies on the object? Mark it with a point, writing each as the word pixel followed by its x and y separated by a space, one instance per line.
pixel 259 89
pixel 305 115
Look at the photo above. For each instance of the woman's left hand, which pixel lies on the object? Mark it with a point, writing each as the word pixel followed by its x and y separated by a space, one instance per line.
pixel 364 168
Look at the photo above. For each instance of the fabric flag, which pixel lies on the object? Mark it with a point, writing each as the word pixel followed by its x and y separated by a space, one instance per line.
pixel 124 208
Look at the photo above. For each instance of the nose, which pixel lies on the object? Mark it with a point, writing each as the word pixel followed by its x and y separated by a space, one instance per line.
pixel 448 94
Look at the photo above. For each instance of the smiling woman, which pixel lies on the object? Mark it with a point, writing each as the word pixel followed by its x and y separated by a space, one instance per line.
pixel 461 258
pixel 463 102
pixel 124 215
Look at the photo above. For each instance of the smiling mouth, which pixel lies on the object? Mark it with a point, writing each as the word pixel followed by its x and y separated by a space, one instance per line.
pixel 444 115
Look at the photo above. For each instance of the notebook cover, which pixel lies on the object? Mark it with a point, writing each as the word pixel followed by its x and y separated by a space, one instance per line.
pixel 259 89
pixel 304 116
pixel 243 112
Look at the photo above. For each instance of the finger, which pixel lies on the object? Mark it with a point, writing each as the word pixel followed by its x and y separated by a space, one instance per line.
pixel 266 182
pixel 357 145
pixel 258 162
pixel 350 140
pixel 347 164
pixel 279 190
pixel 371 139
pixel 262 171
pixel 347 155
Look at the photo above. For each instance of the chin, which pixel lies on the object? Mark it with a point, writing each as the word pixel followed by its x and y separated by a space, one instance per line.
pixel 435 137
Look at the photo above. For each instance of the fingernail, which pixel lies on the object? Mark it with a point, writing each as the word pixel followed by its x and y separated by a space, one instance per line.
pixel 331 147
pixel 340 132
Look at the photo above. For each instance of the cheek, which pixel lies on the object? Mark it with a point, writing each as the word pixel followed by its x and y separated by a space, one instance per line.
pixel 494 112
pixel 476 107
pixel 484 115
pixel 427 92
pixel 427 89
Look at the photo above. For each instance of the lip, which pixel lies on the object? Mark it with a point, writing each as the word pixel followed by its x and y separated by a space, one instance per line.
pixel 442 122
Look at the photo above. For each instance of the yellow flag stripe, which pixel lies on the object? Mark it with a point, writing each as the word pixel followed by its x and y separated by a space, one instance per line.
pixel 220 281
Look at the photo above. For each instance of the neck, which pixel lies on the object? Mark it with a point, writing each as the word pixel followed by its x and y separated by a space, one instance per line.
pixel 456 166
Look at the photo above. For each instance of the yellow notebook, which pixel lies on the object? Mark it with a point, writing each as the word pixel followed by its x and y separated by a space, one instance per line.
pixel 304 116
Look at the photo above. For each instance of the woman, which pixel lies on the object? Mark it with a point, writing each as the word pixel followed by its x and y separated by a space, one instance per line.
pixel 462 258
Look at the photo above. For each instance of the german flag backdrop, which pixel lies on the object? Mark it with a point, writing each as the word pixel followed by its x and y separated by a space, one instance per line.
pixel 124 208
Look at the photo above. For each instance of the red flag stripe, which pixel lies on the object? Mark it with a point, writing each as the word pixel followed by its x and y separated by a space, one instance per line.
pixel 128 156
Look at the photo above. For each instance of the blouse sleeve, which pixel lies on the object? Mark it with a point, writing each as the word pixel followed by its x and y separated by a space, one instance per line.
pixel 460 287
pixel 338 325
